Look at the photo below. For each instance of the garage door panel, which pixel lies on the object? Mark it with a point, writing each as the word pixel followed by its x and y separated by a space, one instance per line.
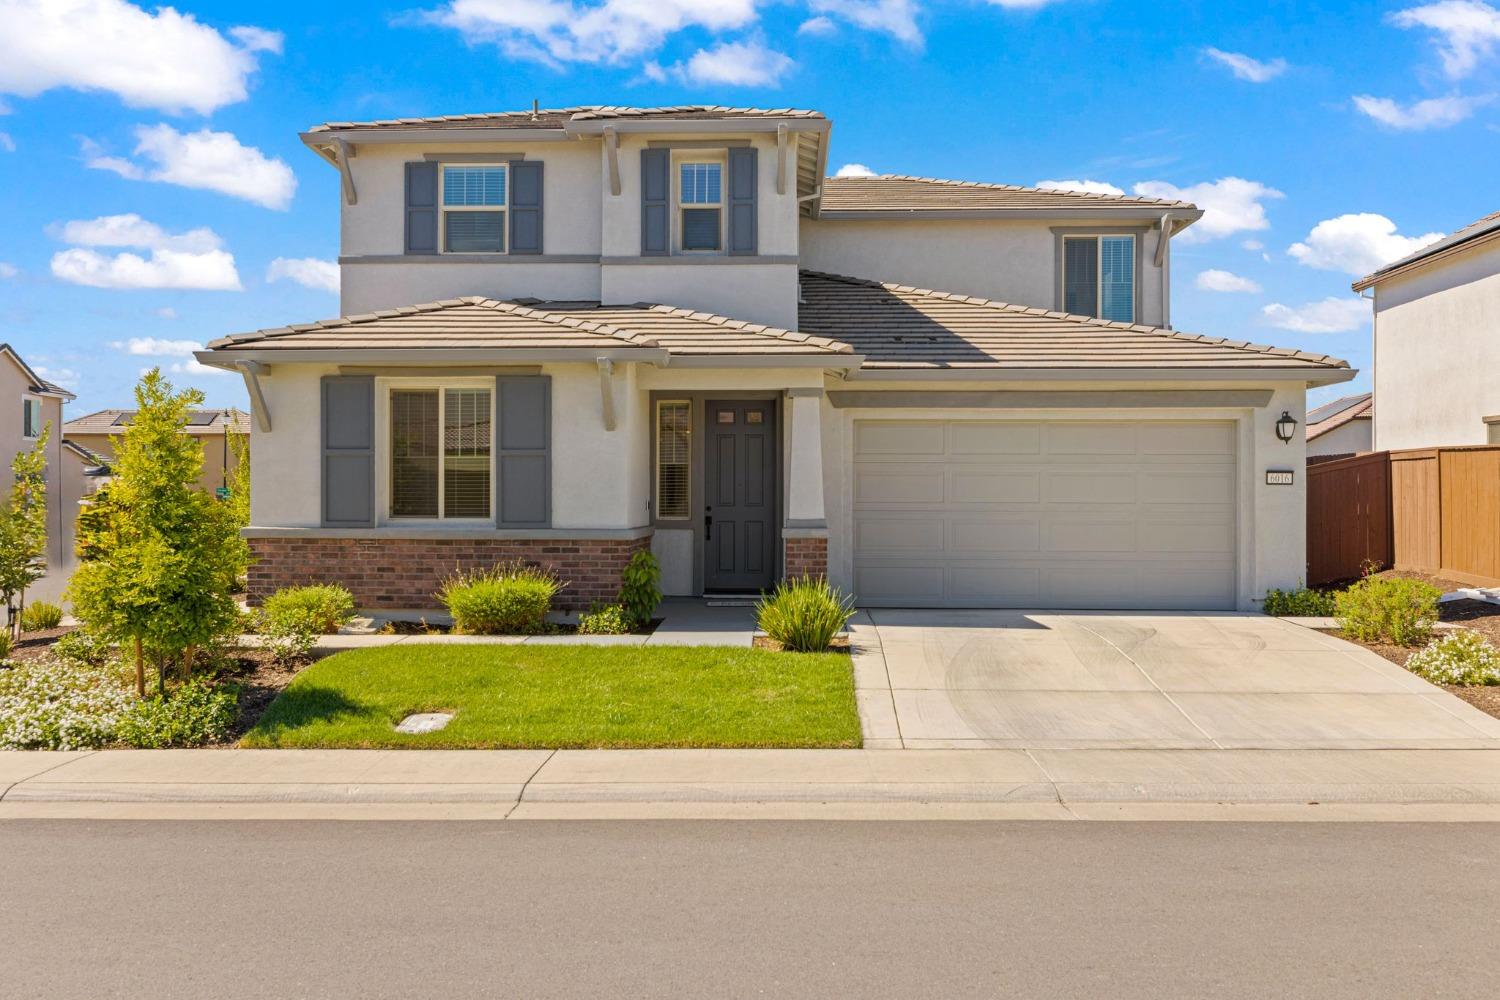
pixel 1099 515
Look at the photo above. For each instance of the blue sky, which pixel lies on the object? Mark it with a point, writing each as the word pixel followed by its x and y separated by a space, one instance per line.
pixel 151 178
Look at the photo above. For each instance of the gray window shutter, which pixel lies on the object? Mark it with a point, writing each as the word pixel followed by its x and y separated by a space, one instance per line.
pixel 742 190
pixel 422 207
pixel 348 451
pixel 523 451
pixel 656 198
pixel 526 207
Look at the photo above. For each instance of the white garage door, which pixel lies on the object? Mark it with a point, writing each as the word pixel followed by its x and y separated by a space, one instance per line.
pixel 1044 514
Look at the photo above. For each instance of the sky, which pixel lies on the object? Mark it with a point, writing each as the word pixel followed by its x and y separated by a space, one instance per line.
pixel 155 195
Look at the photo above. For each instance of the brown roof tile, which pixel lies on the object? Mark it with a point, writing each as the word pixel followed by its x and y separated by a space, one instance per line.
pixel 1473 231
pixel 557 118
pixel 897 193
pixel 1331 416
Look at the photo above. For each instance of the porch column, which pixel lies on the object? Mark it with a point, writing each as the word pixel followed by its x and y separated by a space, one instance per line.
pixel 805 533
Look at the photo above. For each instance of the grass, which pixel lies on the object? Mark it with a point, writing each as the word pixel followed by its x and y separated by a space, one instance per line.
pixel 568 697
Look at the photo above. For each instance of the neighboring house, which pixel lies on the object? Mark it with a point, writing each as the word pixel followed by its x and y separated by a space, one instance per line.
pixel 29 404
pixel 1436 342
pixel 573 335
pixel 1340 428
pixel 211 427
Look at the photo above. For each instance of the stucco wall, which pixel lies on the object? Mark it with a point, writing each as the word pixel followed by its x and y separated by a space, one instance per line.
pixel 1437 349
pixel 1346 439
pixel 215 451
pixel 1008 261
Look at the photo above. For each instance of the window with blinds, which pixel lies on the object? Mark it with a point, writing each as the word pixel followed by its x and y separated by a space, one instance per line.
pixel 440 453
pixel 673 455
pixel 701 198
pixel 1099 277
pixel 474 202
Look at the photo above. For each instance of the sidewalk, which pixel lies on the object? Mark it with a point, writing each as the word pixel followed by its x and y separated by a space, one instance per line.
pixel 541 784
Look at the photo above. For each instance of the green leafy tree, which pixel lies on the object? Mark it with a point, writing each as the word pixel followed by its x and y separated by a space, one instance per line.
pixel 238 481
pixel 23 529
pixel 161 554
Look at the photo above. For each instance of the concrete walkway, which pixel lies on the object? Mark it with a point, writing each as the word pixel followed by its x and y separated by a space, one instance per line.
pixel 1041 784
pixel 1205 681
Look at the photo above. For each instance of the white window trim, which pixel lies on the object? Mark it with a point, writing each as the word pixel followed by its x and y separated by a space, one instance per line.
pixel 656 449
pixel 444 209
pixel 384 466
pixel 41 421
pixel 679 160
pixel 1135 292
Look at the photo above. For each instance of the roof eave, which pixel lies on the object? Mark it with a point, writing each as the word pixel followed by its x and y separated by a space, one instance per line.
pixel 472 133
pixel 1309 375
pixel 1406 267
pixel 709 126
pixel 231 357
pixel 1153 213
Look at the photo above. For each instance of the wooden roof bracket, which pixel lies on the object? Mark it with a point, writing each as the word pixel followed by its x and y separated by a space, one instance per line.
pixel 607 391
pixel 612 153
pixel 343 152
pixel 251 371
pixel 781 144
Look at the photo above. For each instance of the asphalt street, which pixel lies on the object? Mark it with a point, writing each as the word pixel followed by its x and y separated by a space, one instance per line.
pixel 165 909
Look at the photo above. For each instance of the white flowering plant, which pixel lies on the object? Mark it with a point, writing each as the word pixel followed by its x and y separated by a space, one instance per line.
pixel 1463 658
pixel 56 704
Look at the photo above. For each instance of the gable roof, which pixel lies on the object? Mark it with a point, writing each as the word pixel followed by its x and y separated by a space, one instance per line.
pixel 559 118
pixel 557 329
pixel 889 195
pixel 1331 416
pixel 1481 230
pixel 901 328
pixel 200 422
pixel 38 385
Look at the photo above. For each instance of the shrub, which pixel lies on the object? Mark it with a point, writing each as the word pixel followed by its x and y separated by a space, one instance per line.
pixel 290 634
pixel 1390 609
pixel 40 616
pixel 640 588
pixel 607 620
pixel 1304 602
pixel 328 606
pixel 804 614
pixel 193 714
pixel 503 600
pixel 1462 658
pixel 54 704
pixel 83 646
pixel 4 643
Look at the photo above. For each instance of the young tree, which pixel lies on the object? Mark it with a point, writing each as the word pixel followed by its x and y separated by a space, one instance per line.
pixel 162 554
pixel 23 530
pixel 238 481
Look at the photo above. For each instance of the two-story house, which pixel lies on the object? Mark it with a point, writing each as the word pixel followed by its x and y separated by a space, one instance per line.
pixel 572 334
pixel 1435 342
pixel 99 431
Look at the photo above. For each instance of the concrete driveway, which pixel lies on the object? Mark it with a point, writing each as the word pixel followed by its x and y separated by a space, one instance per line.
pixel 1055 680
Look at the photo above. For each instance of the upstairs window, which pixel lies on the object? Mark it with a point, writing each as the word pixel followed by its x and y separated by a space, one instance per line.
pixel 1099 277
pixel 31 418
pixel 474 208
pixel 700 200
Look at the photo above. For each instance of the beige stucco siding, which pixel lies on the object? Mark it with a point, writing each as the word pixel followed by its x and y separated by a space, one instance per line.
pixel 216 455
pixel 1436 352
pixel 1007 261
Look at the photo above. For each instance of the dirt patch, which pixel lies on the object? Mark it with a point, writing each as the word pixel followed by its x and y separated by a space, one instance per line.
pixel 260 679
pixel 840 644
pixel 34 646
pixel 1486 699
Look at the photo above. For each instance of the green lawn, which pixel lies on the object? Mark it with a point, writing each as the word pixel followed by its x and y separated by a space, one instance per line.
pixel 568 696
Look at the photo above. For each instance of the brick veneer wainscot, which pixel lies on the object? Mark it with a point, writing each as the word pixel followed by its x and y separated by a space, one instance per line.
pixel 806 557
pixel 406 572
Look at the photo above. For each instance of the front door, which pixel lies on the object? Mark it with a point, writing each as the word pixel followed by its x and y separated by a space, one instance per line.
pixel 740 495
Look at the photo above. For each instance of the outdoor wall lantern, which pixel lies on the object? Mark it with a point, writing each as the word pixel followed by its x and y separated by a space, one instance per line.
pixel 1286 426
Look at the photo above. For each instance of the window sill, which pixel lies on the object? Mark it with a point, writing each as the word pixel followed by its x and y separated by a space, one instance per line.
pixel 471 531
pixel 699 257
pixel 471 258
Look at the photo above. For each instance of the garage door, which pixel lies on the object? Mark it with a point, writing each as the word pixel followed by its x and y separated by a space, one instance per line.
pixel 1046 514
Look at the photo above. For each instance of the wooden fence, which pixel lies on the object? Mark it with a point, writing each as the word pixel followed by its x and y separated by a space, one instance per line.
pixel 1431 510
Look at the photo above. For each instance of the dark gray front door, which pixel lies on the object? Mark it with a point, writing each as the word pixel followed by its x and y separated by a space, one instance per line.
pixel 740 495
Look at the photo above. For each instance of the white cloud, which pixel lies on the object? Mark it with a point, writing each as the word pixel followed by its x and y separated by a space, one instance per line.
pixel 155 347
pixel 1435 112
pixel 212 161
pixel 855 170
pixel 192 367
pixel 310 272
pixel 7 143
pixel 1022 4
pixel 65 377
pixel 1252 245
pixel 1214 280
pixel 1246 67
pixel 1331 315
pixel 1230 205
pixel 818 26
pixel 1469 31
pixel 1085 186
pixel 1356 244
pixel 734 64
pixel 166 312
pixel 165 60
pixel 897 18
pixel 8 271
pixel 194 259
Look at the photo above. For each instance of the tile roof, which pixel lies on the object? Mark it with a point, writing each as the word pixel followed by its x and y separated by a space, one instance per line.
pixel 900 327
pixel 475 322
pixel 898 193
pixel 38 384
pixel 115 420
pixel 1473 231
pixel 557 118
pixel 1330 416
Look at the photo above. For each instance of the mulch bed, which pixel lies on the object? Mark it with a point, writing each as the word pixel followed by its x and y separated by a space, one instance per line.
pixel 840 644
pixel 34 645
pixel 260 679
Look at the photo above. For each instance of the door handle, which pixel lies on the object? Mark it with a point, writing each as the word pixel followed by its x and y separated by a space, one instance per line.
pixel 708 525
